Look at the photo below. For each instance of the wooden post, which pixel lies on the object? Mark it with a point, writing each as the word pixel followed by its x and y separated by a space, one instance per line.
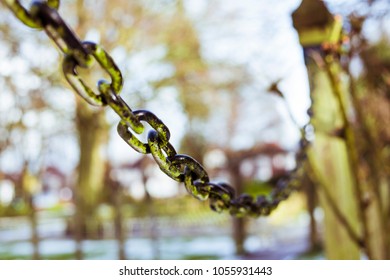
pixel 329 155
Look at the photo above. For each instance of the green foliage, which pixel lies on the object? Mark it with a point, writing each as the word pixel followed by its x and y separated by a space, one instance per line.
pixel 16 208
pixel 256 188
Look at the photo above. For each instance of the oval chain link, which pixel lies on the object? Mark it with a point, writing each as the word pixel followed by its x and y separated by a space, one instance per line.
pixel 26 16
pixel 105 61
pixel 182 168
pixel 60 33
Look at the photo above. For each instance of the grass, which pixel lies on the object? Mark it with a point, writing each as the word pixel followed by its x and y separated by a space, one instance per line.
pixel 315 254
pixel 65 256
pixel 200 257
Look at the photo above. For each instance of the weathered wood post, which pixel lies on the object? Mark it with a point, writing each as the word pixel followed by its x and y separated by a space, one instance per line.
pixel 328 156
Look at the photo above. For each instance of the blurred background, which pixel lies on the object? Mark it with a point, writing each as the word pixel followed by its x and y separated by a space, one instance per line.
pixel 235 82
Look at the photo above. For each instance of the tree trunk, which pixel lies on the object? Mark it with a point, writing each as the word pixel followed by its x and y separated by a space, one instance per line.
pixel 34 227
pixel 118 220
pixel 239 224
pixel 311 203
pixel 93 134
pixel 29 187
pixel 92 131
pixel 152 217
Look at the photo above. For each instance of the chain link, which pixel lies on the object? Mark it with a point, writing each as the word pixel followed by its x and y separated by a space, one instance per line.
pixel 105 88
pixel 182 168
pixel 26 16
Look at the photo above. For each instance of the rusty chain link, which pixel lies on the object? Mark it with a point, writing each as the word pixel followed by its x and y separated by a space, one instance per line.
pixel 182 168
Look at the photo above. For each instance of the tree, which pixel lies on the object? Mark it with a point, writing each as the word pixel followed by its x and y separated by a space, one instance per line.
pixel 25 118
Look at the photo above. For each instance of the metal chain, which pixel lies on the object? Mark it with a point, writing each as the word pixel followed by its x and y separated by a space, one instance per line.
pixel 182 168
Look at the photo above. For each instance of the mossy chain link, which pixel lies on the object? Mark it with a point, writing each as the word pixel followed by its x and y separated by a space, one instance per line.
pixel 183 168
